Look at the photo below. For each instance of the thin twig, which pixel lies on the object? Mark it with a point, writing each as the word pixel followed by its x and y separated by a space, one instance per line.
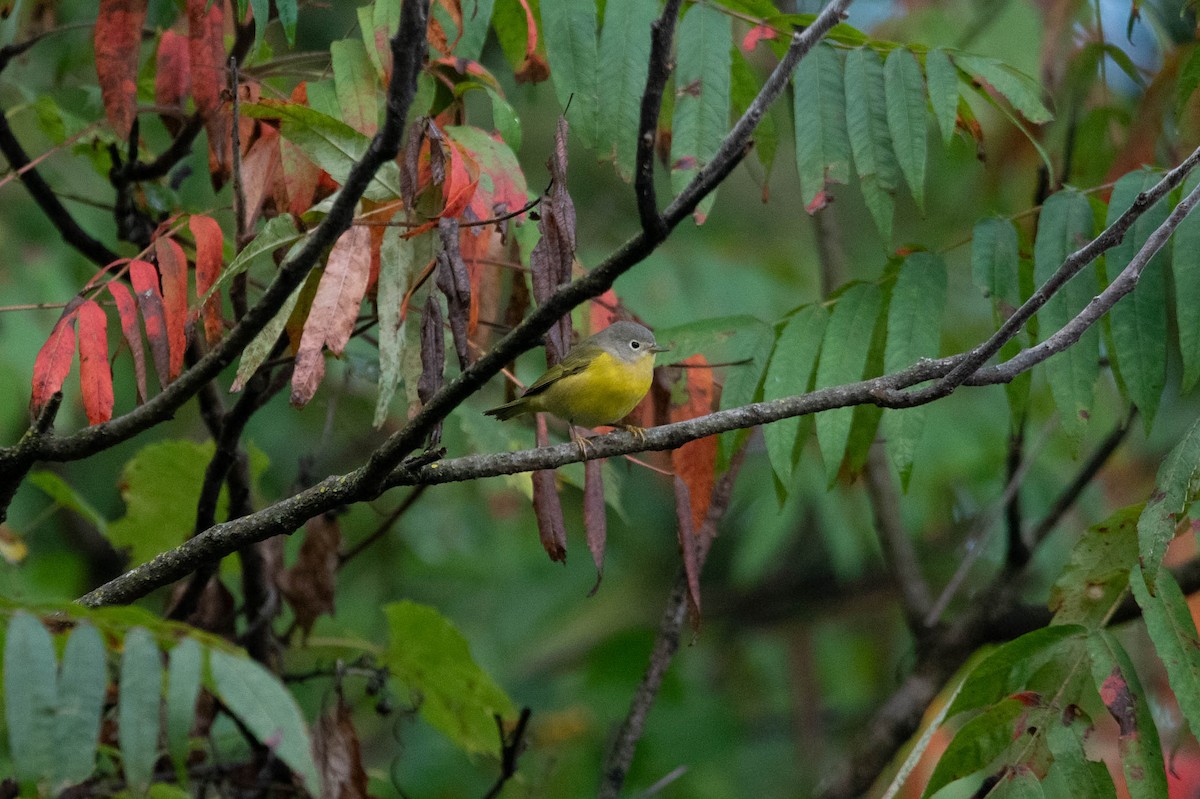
pixel 383 528
pixel 900 558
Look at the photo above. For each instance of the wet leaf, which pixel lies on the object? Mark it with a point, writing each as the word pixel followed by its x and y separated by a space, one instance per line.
pixel 117 40
pixel 95 377
pixel 53 361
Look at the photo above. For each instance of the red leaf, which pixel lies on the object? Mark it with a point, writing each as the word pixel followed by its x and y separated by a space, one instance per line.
pixel 127 313
pixel 696 461
pixel 334 309
pixel 172 265
pixel 172 77
pixel 209 257
pixel 144 277
pixel 534 68
pixel 821 200
pixel 53 361
pixel 546 505
pixel 758 33
pixel 117 38
pixel 206 51
pixel 477 245
pixel 604 311
pixel 688 546
pixel 259 168
pixel 438 39
pixel 95 376
pixel 595 519
pixel 462 177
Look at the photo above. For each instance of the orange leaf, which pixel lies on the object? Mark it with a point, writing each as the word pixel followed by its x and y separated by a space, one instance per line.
pixel 547 507
pixel 172 77
pixel 595 521
pixel 53 360
pixel 462 177
pixel 258 173
pixel 206 51
pixel 117 40
pixel 297 174
pixel 172 265
pixel 534 69
pixel 438 39
pixel 144 277
pixel 127 313
pixel 334 309
pixel 604 311
pixel 95 376
pixel 696 461
pixel 209 257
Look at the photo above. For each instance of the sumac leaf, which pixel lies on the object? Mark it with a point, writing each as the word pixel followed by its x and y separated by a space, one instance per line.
pixel 551 259
pixel 595 518
pixel 95 377
pixel 172 266
pixel 309 584
pixel 117 39
pixel 172 78
pixel 206 53
pixel 53 361
pixel 547 507
pixel 144 277
pixel 209 257
pixel 127 314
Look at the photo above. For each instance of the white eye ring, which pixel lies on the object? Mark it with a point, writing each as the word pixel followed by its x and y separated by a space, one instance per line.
pixel 635 345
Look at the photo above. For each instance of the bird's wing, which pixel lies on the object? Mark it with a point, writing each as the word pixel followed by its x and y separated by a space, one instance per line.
pixel 576 361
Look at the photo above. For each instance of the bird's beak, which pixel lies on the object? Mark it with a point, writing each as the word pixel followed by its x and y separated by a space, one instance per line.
pixel 659 348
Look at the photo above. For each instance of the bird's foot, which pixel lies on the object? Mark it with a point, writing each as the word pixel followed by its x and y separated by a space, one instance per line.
pixel 638 433
pixel 582 443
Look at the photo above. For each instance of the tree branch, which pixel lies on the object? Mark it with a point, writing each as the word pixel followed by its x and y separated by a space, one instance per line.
pixel 900 558
pixel 662 32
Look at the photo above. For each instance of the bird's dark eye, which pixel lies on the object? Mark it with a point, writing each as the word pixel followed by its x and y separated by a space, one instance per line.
pixel 637 345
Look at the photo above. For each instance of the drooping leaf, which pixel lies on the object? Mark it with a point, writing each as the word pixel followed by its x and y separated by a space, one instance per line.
pixel 743 89
pixel 914 328
pixel 330 143
pixel 553 256
pixel 80 701
pixel 790 373
pixel 1015 86
pixel 501 185
pixel 595 516
pixel 289 12
pixel 172 77
pixel 1064 226
pixel 127 314
pixel 172 266
pixel 843 359
pixel 624 59
pixel 689 545
pixel 309 584
pixel 279 231
pixel 1171 628
pixel 995 259
pixel 206 52
pixel 547 507
pixel 183 688
pixel 397 267
pixel 702 78
pixel 355 83
pixel 822 138
pixel 53 361
pixel 138 708
pixel 1009 667
pixel 1167 506
pixel 429 655
pixel 870 139
pixel 117 39
pixel 144 278
pixel 941 79
pixel 1139 320
pixel 905 94
pixel 95 377
pixel 338 754
pixel 477 17
pixel 1065 740
pixel 209 257
pixel 1187 286
pixel 267 709
pixel 259 169
pixel 750 347
pixel 1097 575
pixel 298 174
pixel 1129 704
pixel 977 743
pixel 695 463
pixel 260 346
pixel 334 310
pixel 570 31
pixel 30 697
pixel 66 496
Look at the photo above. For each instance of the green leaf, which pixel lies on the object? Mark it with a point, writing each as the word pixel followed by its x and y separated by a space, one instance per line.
pixel 431 657
pixel 843 359
pixel 1122 693
pixel 1189 79
pixel 262 15
pixel 505 119
pixel 330 143
pixel 570 31
pixel 1094 580
pixel 30 698
pixel 261 345
pixel 288 14
pixel 397 265
pixel 980 741
pixel 996 260
pixel 905 102
pixel 624 62
pixel 477 16
pixel 819 105
pixel 1008 667
pixel 1167 506
pixel 941 80
pixel 183 687
pixel 1065 740
pixel 1139 320
pixel 355 84
pixel 138 708
pixel 914 331
pixel 81 693
pixel 1169 622
pixel 743 381
pixel 1185 243
pixel 702 80
pixel 1022 91
pixel 1066 224
pixel 267 709
pixel 279 231
pixel 66 496
pixel 743 89
pixel 870 140
pixel 788 374
pixel 1018 783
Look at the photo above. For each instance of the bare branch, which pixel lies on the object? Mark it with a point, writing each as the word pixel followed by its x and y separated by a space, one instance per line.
pixel 900 558
pixel 662 32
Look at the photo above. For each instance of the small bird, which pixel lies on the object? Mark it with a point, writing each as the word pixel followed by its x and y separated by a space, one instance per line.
pixel 598 382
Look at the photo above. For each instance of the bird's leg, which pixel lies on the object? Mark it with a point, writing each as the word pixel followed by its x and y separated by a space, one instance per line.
pixel 638 433
pixel 581 442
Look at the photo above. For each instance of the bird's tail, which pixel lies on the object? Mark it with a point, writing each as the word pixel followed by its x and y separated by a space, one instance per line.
pixel 508 410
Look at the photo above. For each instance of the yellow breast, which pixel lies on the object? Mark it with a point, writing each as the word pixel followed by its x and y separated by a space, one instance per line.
pixel 601 394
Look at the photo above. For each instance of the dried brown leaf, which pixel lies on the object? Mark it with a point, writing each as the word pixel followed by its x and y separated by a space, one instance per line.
pixel 338 756
pixel 308 586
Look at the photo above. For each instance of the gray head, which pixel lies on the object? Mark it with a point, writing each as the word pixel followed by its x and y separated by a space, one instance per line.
pixel 628 341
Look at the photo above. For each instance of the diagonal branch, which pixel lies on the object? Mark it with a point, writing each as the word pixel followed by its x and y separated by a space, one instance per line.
pixel 662 32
